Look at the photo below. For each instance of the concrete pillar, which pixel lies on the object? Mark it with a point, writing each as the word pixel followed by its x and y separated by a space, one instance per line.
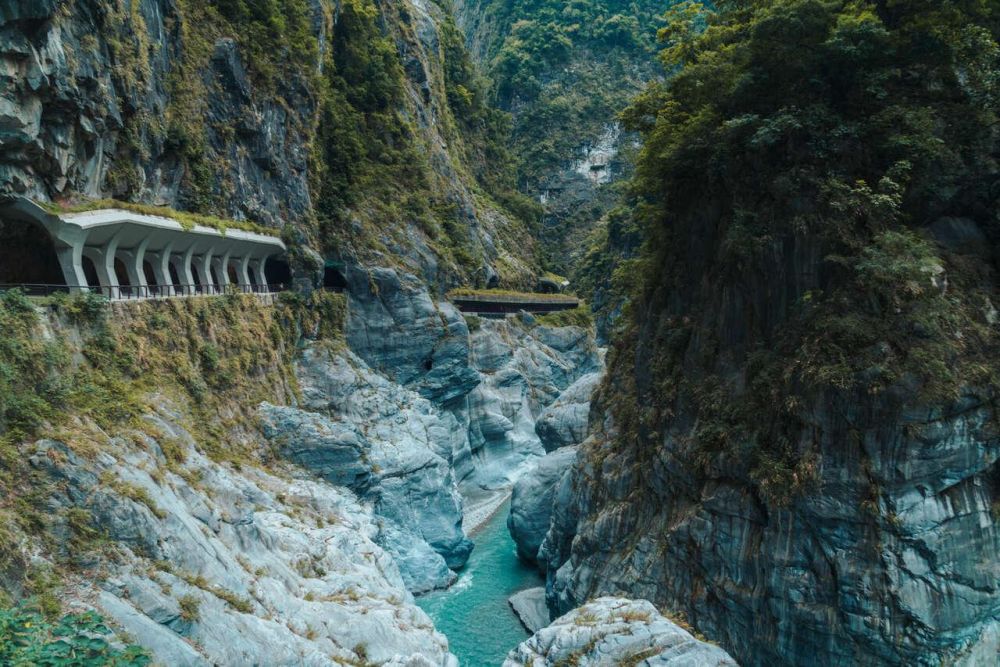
pixel 203 267
pixel 133 260
pixel 71 262
pixel 243 273
pixel 184 272
pixel 221 264
pixel 257 272
pixel 160 262
pixel 105 273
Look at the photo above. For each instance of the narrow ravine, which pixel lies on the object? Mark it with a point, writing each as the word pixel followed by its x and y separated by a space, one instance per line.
pixel 474 613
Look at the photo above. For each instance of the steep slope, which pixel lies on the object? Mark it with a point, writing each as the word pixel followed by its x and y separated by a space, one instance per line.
pixel 334 120
pixel 799 441
pixel 565 71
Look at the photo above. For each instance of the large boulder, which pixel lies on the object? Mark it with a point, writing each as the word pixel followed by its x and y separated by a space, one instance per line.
pixel 531 502
pixel 530 607
pixel 564 422
pixel 616 631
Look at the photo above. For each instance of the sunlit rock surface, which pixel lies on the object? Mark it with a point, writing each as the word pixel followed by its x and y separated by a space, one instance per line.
pixel 225 566
pixel 616 631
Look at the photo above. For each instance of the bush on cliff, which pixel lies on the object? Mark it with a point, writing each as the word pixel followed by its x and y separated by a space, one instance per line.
pixel 808 151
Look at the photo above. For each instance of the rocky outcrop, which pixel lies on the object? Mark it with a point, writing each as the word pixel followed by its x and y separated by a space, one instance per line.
pixel 219 566
pixel 921 491
pixel 532 500
pixel 616 631
pixel 399 330
pixel 530 607
pixel 565 422
pixel 523 369
pixel 356 428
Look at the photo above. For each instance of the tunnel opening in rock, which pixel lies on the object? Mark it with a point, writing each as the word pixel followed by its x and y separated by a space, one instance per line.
pixel 277 272
pixel 333 277
pixel 28 255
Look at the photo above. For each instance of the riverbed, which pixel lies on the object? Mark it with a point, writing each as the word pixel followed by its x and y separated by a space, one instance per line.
pixel 474 613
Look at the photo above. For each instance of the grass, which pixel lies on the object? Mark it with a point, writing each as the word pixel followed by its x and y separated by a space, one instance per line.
pixel 581 316
pixel 187 220
pixel 509 295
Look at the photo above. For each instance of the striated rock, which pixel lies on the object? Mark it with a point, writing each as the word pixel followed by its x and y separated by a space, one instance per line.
pixel 334 451
pixel 531 502
pixel 523 369
pixel 395 326
pixel 890 560
pixel 240 567
pixel 564 422
pixel 616 631
pixel 422 568
pixel 402 439
pixel 530 607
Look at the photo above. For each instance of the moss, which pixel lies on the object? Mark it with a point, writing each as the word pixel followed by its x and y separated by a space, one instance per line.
pixel 186 220
pixel 513 295
pixel 581 316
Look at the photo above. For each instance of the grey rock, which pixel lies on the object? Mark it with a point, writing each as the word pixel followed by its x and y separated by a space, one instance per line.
pixel 565 421
pixel 899 526
pixel 530 607
pixel 298 557
pixel 422 568
pixel 335 451
pixel 407 442
pixel 616 631
pixel 531 502
pixel 395 326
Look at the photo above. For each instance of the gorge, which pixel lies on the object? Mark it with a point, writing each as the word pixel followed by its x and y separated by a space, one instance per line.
pixel 499 332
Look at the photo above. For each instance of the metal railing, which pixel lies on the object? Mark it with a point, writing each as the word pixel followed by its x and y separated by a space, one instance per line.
pixel 139 292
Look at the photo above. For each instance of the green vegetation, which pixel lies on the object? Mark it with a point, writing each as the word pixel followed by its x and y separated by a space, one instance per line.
pixel 509 295
pixel 566 70
pixel 76 640
pixel 186 220
pixel 581 316
pixel 82 365
pixel 372 157
pixel 842 130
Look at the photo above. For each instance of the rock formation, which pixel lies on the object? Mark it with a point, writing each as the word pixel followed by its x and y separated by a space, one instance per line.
pixel 616 631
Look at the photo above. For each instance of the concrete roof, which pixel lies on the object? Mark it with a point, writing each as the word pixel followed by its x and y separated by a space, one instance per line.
pixel 99 226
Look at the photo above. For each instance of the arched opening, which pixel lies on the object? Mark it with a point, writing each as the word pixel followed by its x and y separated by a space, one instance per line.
pixel 277 272
pixel 214 275
pixel 333 277
pixel 231 272
pixel 28 255
pixel 174 278
pixel 121 273
pixel 90 271
pixel 148 273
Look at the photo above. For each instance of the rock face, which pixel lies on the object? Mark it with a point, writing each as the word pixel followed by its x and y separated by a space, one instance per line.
pixel 523 369
pixel 565 422
pixel 931 518
pixel 161 102
pixel 358 429
pixel 216 566
pixel 532 500
pixel 530 607
pixel 616 631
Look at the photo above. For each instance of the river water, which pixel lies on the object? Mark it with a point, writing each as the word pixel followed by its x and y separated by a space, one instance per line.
pixel 474 613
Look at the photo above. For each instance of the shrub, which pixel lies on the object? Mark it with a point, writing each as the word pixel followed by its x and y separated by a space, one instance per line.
pixel 77 639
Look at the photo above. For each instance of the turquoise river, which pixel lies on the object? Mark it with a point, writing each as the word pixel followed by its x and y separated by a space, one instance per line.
pixel 474 613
